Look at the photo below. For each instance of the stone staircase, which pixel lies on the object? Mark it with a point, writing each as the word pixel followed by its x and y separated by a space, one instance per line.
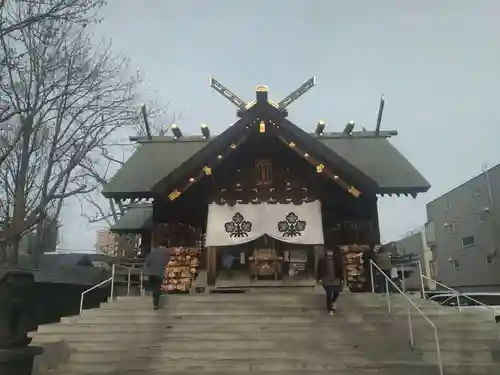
pixel 275 331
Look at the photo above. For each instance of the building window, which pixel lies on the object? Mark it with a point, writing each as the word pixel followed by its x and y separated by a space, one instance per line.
pixel 450 227
pixel 480 217
pixel 456 264
pixel 447 206
pixel 490 259
pixel 468 241
pixel 477 192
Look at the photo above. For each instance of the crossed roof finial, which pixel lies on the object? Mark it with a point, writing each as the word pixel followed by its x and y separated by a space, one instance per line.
pixel 261 91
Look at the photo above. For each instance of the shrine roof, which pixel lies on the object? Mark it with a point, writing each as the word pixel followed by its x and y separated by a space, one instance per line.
pixel 136 219
pixel 376 157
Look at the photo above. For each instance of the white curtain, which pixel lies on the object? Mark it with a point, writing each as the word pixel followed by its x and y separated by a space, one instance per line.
pixel 300 224
pixel 241 223
pixel 232 225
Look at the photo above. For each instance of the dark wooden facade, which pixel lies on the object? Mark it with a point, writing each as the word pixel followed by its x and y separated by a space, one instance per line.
pixel 264 169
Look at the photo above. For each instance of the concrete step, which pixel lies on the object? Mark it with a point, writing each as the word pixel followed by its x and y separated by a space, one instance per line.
pixel 269 333
pixel 124 341
pixel 273 367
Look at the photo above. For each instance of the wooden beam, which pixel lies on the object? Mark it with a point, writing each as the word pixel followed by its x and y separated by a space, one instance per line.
pixel 321 168
pixel 206 170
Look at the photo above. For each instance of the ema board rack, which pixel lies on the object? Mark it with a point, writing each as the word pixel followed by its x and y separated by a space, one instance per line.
pixel 181 270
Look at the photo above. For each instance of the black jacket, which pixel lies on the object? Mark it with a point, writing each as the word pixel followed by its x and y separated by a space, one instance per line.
pixel 156 262
pixel 329 276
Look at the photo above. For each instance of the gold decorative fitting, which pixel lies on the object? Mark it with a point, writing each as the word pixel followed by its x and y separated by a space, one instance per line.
pixel 207 170
pixel 319 168
pixel 355 192
pixel 174 195
pixel 251 104
pixel 233 146
pixel 262 128
pixel 191 179
pixel 306 155
pixel 274 104
pixel 261 88
pixel 291 144
pixel 219 156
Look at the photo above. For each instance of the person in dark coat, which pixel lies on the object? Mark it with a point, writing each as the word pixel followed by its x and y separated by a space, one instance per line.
pixel 383 260
pixel 154 268
pixel 331 280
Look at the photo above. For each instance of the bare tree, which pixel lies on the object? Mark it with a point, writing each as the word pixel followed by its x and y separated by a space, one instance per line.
pixel 43 15
pixel 69 100
pixel 103 163
pixel 18 14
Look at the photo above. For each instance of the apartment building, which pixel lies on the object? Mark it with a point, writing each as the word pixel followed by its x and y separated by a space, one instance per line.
pixel 463 231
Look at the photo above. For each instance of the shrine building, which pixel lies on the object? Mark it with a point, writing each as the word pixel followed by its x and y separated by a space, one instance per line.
pixel 264 198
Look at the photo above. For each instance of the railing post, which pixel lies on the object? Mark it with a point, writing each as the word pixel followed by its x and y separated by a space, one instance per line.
pixel 128 282
pixel 81 303
pixel 421 279
pixel 142 283
pixel 388 295
pixel 112 297
pixel 372 278
pixel 403 282
pixel 438 352
pixel 410 327
pixel 458 303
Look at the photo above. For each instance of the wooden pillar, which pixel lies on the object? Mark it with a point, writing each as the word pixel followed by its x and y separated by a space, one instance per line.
pixel 374 227
pixel 211 265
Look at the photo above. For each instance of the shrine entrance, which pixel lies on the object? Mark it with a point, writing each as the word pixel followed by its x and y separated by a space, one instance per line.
pixel 264 243
pixel 265 262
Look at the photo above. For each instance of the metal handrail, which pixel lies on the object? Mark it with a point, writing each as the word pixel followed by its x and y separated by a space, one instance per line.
pixel 90 289
pixel 112 281
pixel 457 295
pixel 410 302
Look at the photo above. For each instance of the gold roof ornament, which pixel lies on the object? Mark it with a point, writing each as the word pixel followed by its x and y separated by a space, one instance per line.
pixel 262 126
pixel 261 88
pixel 207 170
pixel 320 167
pixel 355 192
pixel 174 195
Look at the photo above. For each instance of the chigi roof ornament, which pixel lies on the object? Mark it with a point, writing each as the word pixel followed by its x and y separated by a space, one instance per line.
pixel 262 96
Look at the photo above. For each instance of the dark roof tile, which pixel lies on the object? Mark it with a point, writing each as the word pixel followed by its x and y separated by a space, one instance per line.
pixel 377 158
pixel 135 219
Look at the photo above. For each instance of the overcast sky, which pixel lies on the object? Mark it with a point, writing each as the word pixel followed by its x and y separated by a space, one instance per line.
pixel 436 61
